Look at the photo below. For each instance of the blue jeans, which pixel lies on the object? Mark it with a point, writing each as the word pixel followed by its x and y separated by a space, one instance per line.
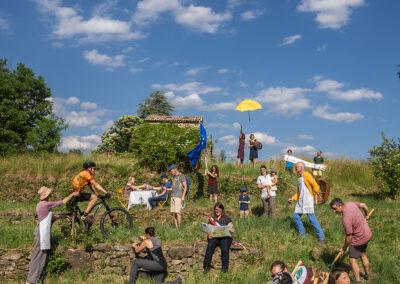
pixel 154 200
pixel 314 222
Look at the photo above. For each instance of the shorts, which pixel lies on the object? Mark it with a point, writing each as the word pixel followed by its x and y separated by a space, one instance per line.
pixel 213 189
pixel 356 251
pixel 83 196
pixel 176 205
pixel 317 173
pixel 73 203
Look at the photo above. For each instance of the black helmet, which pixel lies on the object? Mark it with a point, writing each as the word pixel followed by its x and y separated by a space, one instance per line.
pixel 89 164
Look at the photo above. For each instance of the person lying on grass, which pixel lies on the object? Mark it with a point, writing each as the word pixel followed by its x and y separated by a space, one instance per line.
pixel 154 263
pixel 42 243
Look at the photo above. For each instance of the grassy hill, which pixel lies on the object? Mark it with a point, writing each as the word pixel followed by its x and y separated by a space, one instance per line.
pixel 21 176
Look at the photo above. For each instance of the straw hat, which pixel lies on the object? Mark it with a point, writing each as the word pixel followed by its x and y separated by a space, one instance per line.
pixel 44 192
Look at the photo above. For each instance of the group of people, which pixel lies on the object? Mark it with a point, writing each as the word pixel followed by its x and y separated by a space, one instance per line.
pixel 355 225
pixel 254 146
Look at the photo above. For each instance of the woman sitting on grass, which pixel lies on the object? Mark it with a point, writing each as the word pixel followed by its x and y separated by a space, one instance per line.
pixel 42 242
pixel 219 219
pixel 131 186
pixel 155 263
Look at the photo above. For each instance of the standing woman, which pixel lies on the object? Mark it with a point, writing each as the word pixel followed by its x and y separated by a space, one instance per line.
pixel 219 219
pixel 42 242
pixel 253 149
pixel 213 182
pixel 240 154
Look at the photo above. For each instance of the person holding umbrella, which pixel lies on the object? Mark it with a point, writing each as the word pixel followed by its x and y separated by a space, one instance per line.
pixel 240 154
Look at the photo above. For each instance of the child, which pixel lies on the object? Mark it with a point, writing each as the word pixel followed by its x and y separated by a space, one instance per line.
pixel 244 201
pixel 130 186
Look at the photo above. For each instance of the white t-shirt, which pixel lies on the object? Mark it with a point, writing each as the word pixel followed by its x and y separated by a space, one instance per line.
pixel 265 180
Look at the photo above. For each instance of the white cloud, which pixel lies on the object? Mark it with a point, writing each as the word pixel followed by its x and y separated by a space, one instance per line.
pixel 198 18
pixel 327 85
pixel 235 125
pixel 72 101
pixel 83 143
pixel 355 95
pixel 143 60
pixel 322 48
pixel 185 102
pixel 127 49
pixel 4 25
pixel 196 71
pixel 88 105
pixel 220 106
pixel 290 39
pixel 134 70
pixel 228 140
pixel 243 84
pixel 305 137
pixel 223 71
pixel 81 118
pixel 263 138
pixel 307 150
pixel 251 14
pixel 285 101
pixel 69 24
pixel 96 58
pixel 330 13
pixel 334 89
pixel 325 112
pixel 188 88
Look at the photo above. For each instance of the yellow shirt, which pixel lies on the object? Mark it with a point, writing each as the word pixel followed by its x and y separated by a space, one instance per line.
pixel 310 183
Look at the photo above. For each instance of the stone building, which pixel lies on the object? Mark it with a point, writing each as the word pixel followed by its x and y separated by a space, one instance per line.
pixel 182 121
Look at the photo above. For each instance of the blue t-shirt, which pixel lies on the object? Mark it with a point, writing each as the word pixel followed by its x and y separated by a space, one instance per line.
pixel 288 165
pixel 244 206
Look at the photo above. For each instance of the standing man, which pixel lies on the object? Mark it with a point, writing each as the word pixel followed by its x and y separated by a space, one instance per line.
pixel 306 189
pixel 264 182
pixel 318 160
pixel 178 193
pixel 358 234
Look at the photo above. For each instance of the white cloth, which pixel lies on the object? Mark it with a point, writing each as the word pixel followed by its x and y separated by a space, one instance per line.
pixel 265 180
pixel 140 197
pixel 44 232
pixel 305 204
pixel 294 160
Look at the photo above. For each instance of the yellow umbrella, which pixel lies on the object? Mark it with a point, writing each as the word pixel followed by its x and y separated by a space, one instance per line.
pixel 248 105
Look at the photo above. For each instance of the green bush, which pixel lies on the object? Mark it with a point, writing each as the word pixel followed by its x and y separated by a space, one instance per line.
pixel 158 145
pixel 385 161
pixel 57 264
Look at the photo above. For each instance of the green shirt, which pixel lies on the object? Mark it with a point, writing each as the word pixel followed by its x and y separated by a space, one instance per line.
pixel 177 187
pixel 318 160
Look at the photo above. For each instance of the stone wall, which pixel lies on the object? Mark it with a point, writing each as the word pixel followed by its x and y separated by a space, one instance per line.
pixel 116 259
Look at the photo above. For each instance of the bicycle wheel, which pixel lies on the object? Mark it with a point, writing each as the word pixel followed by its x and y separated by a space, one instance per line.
pixel 116 221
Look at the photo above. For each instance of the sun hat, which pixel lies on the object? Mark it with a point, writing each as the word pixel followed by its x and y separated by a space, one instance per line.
pixel 44 192
pixel 171 167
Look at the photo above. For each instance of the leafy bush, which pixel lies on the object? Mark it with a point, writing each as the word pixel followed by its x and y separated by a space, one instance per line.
pixel 385 161
pixel 117 138
pixel 158 145
pixel 57 264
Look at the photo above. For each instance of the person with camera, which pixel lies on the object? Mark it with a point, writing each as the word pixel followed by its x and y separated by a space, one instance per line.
pixel 154 263
pixel 79 183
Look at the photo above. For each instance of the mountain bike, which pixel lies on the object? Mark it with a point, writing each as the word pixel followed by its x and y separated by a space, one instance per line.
pixel 112 220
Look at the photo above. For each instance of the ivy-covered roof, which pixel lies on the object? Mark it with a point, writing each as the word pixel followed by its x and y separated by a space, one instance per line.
pixel 174 118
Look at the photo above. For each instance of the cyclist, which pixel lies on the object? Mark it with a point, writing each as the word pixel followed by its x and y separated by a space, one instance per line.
pixel 80 181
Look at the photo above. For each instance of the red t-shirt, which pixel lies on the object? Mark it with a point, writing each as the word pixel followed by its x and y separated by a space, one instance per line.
pixel 211 180
pixel 354 224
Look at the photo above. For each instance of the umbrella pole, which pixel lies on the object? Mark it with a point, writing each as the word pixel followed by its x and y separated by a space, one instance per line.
pixel 248 112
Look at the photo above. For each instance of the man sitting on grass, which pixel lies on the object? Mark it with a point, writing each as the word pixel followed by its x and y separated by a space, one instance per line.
pixel 358 234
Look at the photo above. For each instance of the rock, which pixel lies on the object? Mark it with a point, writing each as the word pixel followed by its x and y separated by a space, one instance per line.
pixel 122 248
pixel 78 259
pixel 102 247
pixel 315 253
pixel 12 255
pixel 176 261
pixel 180 252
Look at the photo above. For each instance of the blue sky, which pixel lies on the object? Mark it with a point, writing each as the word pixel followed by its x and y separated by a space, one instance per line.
pixel 324 71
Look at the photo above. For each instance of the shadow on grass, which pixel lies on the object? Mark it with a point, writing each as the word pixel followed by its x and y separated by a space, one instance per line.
pixel 257 210
pixel 369 195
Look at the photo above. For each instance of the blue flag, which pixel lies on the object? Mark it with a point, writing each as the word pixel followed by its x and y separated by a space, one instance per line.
pixel 194 155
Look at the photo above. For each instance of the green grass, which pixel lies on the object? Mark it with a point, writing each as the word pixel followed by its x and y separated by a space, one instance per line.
pixel 276 238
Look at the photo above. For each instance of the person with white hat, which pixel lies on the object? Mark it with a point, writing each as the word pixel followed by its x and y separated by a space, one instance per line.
pixel 41 245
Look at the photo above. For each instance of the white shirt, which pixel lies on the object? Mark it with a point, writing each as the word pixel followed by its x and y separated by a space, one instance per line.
pixel 265 180
pixel 305 204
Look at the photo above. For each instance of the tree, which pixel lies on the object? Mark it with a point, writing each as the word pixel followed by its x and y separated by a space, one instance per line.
pixel 156 103
pixel 118 137
pixel 27 121
pixel 385 161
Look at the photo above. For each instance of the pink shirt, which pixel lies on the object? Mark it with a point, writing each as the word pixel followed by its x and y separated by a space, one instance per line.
pixel 354 224
pixel 43 208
